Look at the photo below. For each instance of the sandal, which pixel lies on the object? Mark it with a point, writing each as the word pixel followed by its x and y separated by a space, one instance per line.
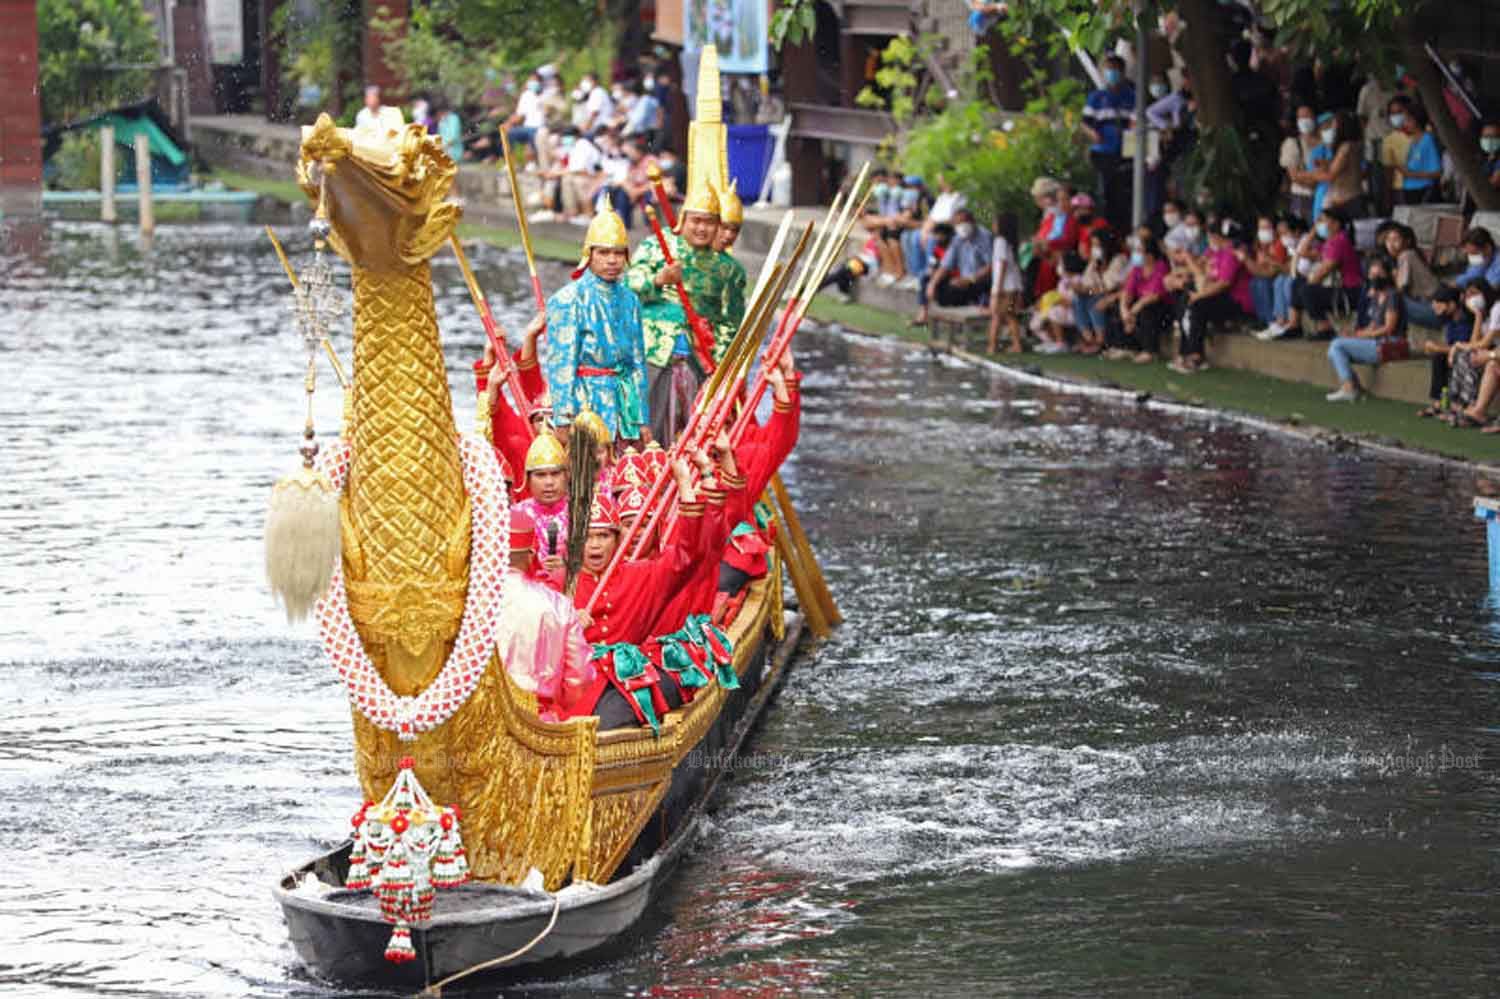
pixel 1430 412
pixel 1463 421
pixel 1492 427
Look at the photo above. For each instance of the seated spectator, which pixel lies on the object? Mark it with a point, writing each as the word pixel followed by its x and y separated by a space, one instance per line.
pixel 1266 263
pixel 1098 290
pixel 914 207
pixel 1424 162
pixel 1171 217
pixel 645 116
pixel 1468 360
pixel 846 274
pixel 1484 262
pixel 944 207
pixel 637 185
pixel 1457 324
pixel 1145 307
pixel 1085 222
pixel 1221 294
pixel 942 242
pixel 1005 285
pixel 1296 156
pixel 1414 279
pixel 1187 236
pixel 1332 283
pixel 451 131
pixel 1302 254
pixel 1052 319
pixel 529 117
pixel 1378 336
pixel 885 221
pixel 579 179
pixel 963 277
pixel 1054 235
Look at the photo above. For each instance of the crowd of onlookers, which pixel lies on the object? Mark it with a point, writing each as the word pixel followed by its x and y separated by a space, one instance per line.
pixel 1323 261
pixel 589 141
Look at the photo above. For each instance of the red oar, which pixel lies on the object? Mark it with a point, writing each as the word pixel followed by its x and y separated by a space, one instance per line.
pixel 703 338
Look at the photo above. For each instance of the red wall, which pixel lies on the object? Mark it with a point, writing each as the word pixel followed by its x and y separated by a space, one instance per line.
pixel 21 110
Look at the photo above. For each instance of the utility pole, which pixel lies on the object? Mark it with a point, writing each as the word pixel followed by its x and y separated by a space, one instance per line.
pixel 1142 128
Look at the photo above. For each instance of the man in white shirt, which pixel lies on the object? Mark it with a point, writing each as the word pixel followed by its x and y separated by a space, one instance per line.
pixel 598 107
pixel 581 181
pixel 369 115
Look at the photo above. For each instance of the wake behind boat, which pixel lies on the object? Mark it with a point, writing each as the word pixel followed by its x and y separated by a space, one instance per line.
pixel 553 641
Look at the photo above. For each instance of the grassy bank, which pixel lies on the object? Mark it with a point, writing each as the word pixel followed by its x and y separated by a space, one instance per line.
pixel 1274 399
pixel 281 190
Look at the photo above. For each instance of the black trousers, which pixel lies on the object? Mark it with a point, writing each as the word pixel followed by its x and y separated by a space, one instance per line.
pixel 1150 324
pixel 615 712
pixel 950 296
pixel 1218 308
pixel 1439 379
pixel 1318 301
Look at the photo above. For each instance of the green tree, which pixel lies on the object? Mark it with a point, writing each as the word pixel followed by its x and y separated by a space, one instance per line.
pixel 321 49
pixel 93 55
pixel 1382 33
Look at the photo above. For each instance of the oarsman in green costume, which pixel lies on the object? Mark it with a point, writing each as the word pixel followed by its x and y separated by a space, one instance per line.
pixel 716 288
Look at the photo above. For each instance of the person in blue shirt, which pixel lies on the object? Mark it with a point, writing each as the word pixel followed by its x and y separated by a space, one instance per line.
pixel 1424 163
pixel 1484 262
pixel 1106 115
pixel 1458 324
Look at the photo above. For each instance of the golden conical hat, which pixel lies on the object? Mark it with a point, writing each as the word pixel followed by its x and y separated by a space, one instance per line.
pixel 605 229
pixel 545 454
pixel 708 139
pixel 702 198
pixel 731 209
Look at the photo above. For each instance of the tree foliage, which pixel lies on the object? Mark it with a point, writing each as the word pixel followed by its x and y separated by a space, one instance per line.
pixel 794 22
pixel 320 48
pixel 93 55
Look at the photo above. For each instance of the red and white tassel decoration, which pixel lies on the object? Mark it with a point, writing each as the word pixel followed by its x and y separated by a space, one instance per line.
pixel 404 848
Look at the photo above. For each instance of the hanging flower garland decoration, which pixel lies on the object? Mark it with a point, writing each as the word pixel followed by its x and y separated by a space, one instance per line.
pixel 488 557
pixel 405 848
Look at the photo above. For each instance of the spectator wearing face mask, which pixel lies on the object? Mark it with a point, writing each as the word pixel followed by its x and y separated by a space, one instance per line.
pixel 644 118
pixel 1296 153
pixel 1145 305
pixel 1467 360
pixel 963 277
pixel 1333 282
pixel 1221 294
pixel 1057 232
pixel 1484 262
pixel 1336 166
pixel 1086 222
pixel 1414 279
pixel 1106 115
pixel 1457 324
pixel 1394 146
pixel 1424 163
pixel 528 118
pixel 1378 336
pixel 1098 290
pixel 1489 145
pixel 1301 255
pixel 1266 262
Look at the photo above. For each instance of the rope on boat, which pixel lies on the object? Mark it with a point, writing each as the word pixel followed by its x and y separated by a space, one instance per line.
pixel 436 989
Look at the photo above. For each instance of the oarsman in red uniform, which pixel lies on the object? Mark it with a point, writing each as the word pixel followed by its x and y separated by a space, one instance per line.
pixel 540 638
pixel 508 430
pixel 722 490
pixel 633 599
pixel 759 454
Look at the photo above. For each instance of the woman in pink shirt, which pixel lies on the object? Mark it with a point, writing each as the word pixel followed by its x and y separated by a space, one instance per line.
pixel 1333 283
pixel 1145 306
pixel 1221 294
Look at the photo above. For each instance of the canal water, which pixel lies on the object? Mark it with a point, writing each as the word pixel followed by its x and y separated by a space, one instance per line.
pixel 1126 703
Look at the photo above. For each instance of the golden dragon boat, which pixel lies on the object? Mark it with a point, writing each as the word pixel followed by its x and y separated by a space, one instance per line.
pixel 567 832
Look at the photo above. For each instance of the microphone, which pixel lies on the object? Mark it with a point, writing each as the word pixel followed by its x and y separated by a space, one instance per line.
pixel 552 538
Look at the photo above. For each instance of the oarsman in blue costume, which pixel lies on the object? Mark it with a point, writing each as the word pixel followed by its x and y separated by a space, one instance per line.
pixel 596 355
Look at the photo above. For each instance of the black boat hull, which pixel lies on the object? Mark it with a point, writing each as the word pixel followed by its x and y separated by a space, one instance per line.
pixel 339 935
